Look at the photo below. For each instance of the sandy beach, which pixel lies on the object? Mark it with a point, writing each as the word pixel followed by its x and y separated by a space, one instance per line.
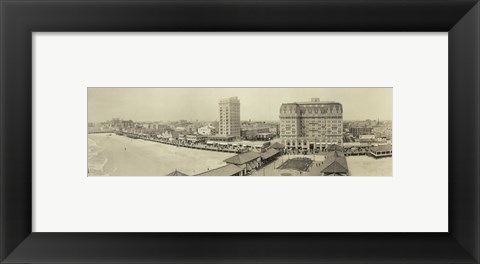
pixel 113 155
pixel 368 166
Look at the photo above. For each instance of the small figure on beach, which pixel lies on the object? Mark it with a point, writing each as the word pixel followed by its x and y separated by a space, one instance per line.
pixel 125 148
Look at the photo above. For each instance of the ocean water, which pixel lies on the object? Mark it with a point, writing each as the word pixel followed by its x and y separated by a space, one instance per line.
pixel 96 161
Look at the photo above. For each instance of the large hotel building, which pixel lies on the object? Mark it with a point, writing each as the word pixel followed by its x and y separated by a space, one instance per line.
pixel 229 124
pixel 313 125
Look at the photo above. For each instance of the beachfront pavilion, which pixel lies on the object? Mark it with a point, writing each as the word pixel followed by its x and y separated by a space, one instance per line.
pixel 356 147
pixel 335 169
pixel 381 151
pixel 335 164
pixel 258 146
pixel 278 146
pixel 269 155
pixel 227 170
pixel 248 161
pixel 196 138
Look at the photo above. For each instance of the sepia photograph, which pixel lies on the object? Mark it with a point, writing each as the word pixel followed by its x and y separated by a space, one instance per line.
pixel 240 131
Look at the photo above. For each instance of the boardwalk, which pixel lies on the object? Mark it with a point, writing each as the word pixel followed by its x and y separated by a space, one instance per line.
pixel 198 146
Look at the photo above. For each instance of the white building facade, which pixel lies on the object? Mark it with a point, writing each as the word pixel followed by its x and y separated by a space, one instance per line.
pixel 207 130
pixel 229 124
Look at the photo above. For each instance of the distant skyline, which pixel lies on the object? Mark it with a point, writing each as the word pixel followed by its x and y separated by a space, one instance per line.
pixel 256 104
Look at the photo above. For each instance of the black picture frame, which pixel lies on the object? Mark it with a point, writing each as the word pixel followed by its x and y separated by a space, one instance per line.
pixel 19 18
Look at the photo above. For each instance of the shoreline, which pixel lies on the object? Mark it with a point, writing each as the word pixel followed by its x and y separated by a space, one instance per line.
pixel 132 157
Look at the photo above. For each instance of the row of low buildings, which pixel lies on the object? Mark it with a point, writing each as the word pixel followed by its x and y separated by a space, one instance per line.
pixel 229 126
pixel 377 129
pixel 214 141
pixel 257 133
pixel 151 128
pixel 172 135
pixel 111 125
pixel 244 164
pixel 207 142
pixel 335 162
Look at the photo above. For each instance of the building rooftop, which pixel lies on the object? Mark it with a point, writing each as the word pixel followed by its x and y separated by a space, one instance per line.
pixel 334 154
pixel 381 148
pixel 174 134
pixel 322 106
pixel 269 153
pixel 230 100
pixel 317 103
pixel 243 158
pixel 335 147
pixel 177 173
pixel 277 145
pixel 335 167
pixel 227 170
pixel 334 163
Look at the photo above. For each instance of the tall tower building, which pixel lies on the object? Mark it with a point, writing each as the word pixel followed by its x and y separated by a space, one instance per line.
pixel 229 117
pixel 313 125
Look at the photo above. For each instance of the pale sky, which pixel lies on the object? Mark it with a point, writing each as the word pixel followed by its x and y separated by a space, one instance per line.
pixel 256 104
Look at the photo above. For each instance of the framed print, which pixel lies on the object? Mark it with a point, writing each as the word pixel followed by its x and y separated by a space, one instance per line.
pixel 118 116
pixel 150 134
